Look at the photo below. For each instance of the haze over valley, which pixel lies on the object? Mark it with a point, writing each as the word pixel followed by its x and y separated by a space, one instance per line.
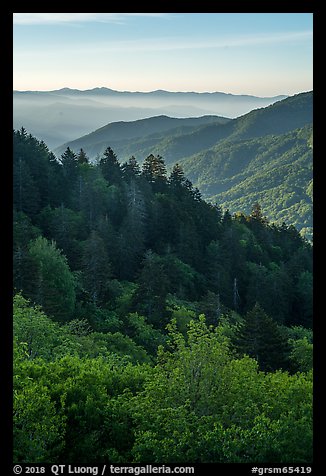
pixel 63 115
pixel 264 155
pixel 234 158
pixel 162 240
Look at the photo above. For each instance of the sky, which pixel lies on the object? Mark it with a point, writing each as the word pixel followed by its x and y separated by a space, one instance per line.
pixel 261 54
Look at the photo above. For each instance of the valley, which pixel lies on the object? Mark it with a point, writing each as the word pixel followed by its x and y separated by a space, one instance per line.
pixel 65 114
pixel 264 155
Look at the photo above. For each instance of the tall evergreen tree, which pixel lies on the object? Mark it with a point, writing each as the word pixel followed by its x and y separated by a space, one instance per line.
pixel 154 171
pixel 132 231
pixel 261 338
pixel 96 268
pixel 67 228
pixel 150 298
pixel 23 266
pixel 177 177
pixel 82 157
pixel 26 194
pixel 110 167
pixel 69 161
pixel 131 169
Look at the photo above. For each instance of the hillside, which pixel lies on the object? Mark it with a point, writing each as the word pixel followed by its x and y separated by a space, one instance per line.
pixel 267 158
pixel 136 137
pixel 265 155
pixel 174 143
pixel 142 311
pixel 275 171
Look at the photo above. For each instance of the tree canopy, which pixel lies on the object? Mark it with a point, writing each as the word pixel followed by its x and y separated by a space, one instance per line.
pixel 151 325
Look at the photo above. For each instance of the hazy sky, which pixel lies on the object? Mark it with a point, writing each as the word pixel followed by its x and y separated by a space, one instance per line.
pixel 263 54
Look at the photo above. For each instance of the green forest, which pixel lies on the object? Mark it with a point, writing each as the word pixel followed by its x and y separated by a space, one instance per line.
pixel 264 156
pixel 152 326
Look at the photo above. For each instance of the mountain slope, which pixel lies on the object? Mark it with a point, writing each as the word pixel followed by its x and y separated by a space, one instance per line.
pixel 268 158
pixel 274 170
pixel 66 114
pixel 279 118
pixel 265 156
pixel 135 138
pixel 136 134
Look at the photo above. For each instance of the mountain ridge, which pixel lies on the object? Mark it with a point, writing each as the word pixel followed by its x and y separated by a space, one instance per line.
pixel 105 90
pixel 262 121
pixel 280 134
pixel 39 112
pixel 126 130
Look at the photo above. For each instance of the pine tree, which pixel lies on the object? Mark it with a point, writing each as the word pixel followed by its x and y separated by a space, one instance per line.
pixel 67 228
pixel 132 231
pixel 26 194
pixel 256 213
pixel 261 338
pixel 69 161
pixel 82 157
pixel 131 169
pixel 150 298
pixel 177 176
pixel 154 171
pixel 110 167
pixel 96 268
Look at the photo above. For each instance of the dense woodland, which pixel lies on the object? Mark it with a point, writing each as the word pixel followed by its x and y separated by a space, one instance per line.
pixel 264 156
pixel 150 325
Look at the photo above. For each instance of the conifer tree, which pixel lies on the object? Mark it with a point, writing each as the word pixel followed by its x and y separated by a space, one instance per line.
pixel 110 167
pixel 154 171
pixel 131 169
pixel 261 338
pixel 96 268
pixel 82 157
pixel 26 194
pixel 150 298
pixel 69 161
pixel 177 176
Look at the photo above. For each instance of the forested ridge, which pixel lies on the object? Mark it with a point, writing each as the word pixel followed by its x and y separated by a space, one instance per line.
pixel 263 156
pixel 151 325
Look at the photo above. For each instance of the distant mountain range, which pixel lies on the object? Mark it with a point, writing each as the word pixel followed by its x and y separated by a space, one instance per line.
pixel 264 155
pixel 63 115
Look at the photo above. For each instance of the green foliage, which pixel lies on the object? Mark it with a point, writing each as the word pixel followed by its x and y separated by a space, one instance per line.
pixel 42 337
pixel 107 229
pixel 110 167
pixel 261 338
pixel 113 345
pixel 45 339
pixel 272 170
pixel 96 268
pixel 142 332
pixel 150 296
pixel 54 284
pixel 38 427
pixel 198 404
pixel 301 345
pixel 66 227
pixel 202 405
pixel 301 355
pixel 101 319
pixel 182 317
